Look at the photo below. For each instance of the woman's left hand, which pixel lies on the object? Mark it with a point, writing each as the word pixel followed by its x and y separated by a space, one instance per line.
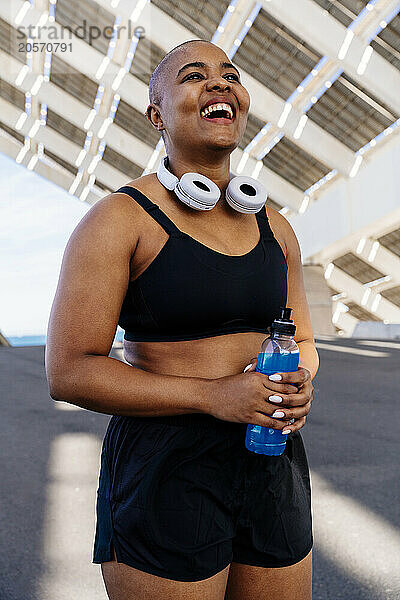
pixel 295 406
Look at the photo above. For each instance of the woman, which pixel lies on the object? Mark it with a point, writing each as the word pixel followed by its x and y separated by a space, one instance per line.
pixel 184 510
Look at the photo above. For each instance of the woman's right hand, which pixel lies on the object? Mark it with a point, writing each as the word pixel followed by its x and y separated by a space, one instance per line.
pixel 244 398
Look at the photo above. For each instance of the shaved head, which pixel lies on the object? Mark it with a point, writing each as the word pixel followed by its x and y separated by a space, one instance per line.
pixel 168 98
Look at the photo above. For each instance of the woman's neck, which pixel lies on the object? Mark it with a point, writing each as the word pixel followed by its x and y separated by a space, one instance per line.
pixel 218 172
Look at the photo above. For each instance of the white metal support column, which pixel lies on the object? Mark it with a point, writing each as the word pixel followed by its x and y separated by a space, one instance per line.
pixel 120 51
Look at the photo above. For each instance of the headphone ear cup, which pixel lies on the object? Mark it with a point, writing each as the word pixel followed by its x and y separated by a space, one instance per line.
pixel 197 191
pixel 246 194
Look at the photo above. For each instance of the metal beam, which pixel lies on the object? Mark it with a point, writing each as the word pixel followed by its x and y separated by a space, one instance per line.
pixel 343 320
pixel 382 259
pixel 38 69
pixel 359 293
pixel 126 144
pixel 120 50
pixel 265 105
pixel 382 10
pixel 235 24
pixel 59 145
pixel 54 173
pixel 278 188
pixel 314 24
pixel 52 140
pixel 123 142
pixel 375 229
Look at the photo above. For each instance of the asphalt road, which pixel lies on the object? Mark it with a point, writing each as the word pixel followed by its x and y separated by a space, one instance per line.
pixel 51 457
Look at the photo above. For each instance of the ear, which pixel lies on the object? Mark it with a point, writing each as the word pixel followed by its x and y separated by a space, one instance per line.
pixel 153 115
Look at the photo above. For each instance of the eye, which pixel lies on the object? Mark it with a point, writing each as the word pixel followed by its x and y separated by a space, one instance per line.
pixel 234 75
pixel 191 75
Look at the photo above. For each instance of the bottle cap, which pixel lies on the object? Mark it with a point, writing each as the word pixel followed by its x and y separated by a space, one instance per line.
pixel 284 324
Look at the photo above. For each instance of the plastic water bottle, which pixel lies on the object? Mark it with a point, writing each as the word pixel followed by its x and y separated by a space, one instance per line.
pixel 279 354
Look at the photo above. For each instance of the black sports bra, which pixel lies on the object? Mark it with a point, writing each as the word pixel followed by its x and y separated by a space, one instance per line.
pixel 190 291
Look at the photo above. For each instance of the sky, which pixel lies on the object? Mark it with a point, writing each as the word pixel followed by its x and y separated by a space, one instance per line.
pixel 36 220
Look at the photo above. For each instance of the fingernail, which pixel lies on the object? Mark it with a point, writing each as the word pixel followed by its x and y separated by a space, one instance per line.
pixel 287 431
pixel 275 399
pixel 275 377
pixel 278 413
pixel 247 368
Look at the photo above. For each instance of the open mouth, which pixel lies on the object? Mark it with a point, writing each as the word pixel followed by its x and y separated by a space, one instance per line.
pixel 219 113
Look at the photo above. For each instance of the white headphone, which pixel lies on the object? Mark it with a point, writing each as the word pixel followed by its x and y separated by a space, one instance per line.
pixel 244 194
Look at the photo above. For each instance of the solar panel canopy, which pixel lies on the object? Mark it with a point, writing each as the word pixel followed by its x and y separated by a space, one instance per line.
pixel 346 114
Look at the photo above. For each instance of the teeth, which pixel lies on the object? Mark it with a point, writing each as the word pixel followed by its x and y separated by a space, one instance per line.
pixel 215 107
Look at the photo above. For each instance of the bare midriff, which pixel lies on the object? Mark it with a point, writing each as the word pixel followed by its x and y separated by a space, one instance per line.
pixel 212 357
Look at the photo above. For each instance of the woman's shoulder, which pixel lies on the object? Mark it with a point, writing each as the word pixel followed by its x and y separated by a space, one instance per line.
pixel 143 184
pixel 146 184
pixel 120 207
pixel 116 217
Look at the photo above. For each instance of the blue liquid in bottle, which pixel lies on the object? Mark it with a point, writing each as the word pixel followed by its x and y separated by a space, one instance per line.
pixel 279 354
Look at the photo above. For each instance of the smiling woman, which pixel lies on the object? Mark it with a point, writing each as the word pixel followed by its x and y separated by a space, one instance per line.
pixel 184 510
pixel 167 83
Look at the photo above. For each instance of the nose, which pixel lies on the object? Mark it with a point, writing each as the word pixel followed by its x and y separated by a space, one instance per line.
pixel 218 83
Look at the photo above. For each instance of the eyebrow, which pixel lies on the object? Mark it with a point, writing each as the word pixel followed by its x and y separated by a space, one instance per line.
pixel 202 65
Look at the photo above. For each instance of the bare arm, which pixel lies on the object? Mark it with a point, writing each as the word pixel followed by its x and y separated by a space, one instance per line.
pixel 308 356
pixel 296 296
pixel 92 285
pixel 295 406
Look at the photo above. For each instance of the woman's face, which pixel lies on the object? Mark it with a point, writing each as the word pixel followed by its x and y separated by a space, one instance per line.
pixel 188 89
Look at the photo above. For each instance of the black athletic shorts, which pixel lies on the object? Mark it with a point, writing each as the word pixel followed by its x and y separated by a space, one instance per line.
pixel 181 497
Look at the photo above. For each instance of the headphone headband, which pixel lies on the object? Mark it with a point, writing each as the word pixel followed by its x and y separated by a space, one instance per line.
pixel 168 179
